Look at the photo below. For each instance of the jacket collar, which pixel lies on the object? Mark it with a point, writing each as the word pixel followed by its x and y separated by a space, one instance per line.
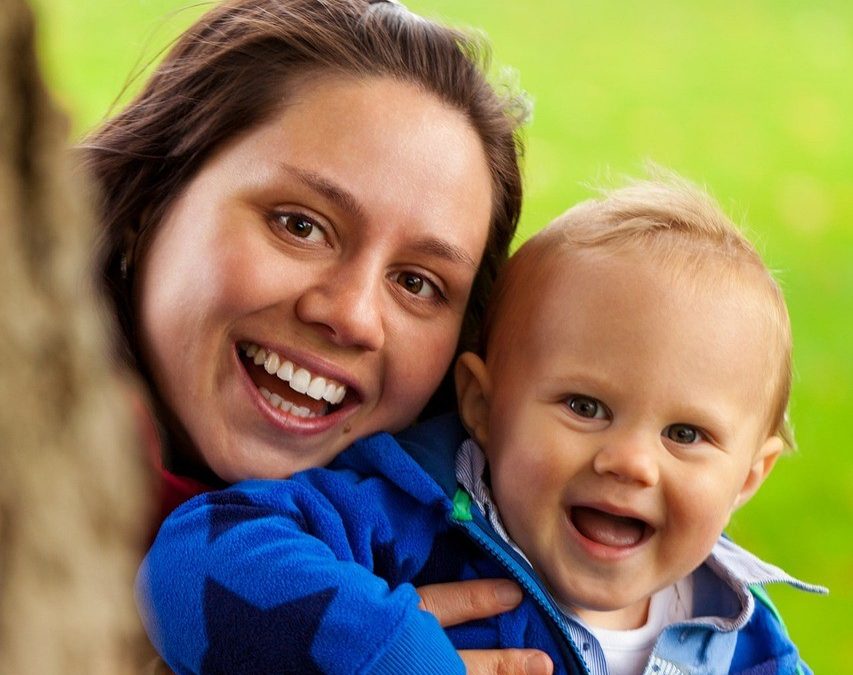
pixel 725 585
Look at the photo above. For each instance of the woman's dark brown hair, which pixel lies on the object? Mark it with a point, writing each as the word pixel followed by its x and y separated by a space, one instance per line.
pixel 230 72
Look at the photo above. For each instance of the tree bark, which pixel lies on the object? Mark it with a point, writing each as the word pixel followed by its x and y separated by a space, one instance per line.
pixel 72 485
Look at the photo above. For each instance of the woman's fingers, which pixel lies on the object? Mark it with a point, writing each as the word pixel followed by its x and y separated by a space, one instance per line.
pixel 506 662
pixel 460 601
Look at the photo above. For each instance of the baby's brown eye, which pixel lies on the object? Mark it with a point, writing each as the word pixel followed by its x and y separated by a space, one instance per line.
pixel 586 406
pixel 683 434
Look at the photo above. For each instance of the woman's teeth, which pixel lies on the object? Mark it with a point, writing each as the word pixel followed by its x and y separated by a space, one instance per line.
pixel 298 379
pixel 286 405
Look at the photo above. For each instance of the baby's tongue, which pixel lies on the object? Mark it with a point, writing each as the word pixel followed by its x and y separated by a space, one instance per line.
pixel 606 528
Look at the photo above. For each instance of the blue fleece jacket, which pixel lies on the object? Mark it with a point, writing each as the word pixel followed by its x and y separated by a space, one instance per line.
pixel 317 574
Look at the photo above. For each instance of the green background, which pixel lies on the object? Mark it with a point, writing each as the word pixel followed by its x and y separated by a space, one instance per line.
pixel 752 99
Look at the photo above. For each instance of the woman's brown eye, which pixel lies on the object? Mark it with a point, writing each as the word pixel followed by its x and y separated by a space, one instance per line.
pixel 300 227
pixel 416 285
pixel 412 283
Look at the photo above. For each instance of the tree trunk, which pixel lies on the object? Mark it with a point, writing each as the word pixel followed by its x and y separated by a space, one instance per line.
pixel 72 484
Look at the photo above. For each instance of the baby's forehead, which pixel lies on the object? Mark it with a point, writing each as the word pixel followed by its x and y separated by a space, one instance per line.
pixel 550 279
pixel 587 312
pixel 548 259
pixel 682 258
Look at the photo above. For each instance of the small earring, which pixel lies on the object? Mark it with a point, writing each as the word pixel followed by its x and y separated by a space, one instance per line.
pixel 123 265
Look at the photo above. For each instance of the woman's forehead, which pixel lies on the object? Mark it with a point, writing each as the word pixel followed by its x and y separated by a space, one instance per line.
pixel 373 148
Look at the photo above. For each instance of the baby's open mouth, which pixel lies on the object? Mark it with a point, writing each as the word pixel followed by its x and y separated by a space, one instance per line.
pixel 609 529
pixel 290 387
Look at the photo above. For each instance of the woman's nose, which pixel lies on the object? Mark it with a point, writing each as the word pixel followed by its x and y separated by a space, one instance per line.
pixel 346 304
pixel 629 458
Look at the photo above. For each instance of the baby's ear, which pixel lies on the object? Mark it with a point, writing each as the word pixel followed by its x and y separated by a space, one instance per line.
pixel 763 463
pixel 472 391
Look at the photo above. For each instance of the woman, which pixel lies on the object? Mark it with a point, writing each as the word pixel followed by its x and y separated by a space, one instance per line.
pixel 303 214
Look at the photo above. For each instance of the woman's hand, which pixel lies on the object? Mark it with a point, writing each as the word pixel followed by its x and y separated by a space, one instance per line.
pixel 460 601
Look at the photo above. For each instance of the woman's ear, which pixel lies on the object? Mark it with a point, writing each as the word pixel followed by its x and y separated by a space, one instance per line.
pixel 472 391
pixel 763 463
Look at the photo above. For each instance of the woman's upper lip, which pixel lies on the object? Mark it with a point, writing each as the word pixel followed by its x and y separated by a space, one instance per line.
pixel 316 364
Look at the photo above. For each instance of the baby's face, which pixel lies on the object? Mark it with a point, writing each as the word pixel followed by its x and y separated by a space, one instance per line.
pixel 624 428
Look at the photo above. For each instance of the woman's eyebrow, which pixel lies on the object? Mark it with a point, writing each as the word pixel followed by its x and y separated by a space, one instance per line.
pixel 335 193
pixel 346 201
pixel 442 249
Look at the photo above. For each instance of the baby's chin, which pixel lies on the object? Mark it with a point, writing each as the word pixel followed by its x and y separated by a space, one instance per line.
pixel 613 616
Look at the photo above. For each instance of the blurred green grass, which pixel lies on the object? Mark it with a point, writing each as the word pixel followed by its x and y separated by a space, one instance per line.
pixel 752 99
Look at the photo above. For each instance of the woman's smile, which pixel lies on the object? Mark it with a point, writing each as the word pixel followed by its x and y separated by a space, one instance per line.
pixel 288 386
pixel 295 411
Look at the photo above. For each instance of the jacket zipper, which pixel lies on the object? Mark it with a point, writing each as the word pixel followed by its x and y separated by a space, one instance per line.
pixel 502 553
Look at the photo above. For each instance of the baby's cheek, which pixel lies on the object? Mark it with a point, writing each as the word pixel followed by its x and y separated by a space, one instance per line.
pixel 697 524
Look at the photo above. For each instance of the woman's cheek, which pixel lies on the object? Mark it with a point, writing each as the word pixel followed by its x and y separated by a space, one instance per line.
pixel 420 364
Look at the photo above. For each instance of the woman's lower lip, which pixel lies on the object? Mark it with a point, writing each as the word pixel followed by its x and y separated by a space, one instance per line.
pixel 596 550
pixel 286 422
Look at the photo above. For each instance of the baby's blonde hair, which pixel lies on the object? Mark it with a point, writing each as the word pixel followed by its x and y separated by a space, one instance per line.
pixel 679 227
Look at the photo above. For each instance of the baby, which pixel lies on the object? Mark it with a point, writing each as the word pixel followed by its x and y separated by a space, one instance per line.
pixel 630 395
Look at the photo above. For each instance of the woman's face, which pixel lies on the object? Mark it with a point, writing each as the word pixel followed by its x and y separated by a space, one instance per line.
pixel 308 286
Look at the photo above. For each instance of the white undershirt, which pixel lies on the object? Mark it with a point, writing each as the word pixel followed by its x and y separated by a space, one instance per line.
pixel 627 651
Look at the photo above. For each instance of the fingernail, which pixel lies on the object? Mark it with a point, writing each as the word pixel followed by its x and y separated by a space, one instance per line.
pixel 537 664
pixel 508 594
